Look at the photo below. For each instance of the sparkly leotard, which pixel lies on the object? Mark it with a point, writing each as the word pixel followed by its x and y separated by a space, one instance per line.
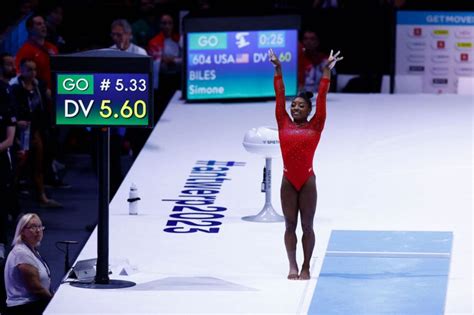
pixel 298 142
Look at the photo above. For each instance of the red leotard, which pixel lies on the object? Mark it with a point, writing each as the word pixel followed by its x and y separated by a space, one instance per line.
pixel 298 142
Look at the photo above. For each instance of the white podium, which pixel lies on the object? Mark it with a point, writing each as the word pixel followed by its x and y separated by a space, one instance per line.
pixel 264 141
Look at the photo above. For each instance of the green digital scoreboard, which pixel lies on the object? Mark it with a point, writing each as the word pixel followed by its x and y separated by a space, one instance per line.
pixel 226 58
pixel 103 88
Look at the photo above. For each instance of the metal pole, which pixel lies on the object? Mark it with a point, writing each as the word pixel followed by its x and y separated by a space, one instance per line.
pixel 267 214
pixel 102 268
pixel 102 280
pixel 268 181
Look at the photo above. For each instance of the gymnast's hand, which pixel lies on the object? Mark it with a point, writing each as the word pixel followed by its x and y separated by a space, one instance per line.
pixel 273 58
pixel 333 59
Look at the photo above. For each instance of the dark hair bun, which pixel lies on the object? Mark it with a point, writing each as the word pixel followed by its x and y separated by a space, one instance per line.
pixel 306 95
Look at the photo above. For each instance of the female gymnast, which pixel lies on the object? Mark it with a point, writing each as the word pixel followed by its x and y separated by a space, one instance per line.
pixel 299 138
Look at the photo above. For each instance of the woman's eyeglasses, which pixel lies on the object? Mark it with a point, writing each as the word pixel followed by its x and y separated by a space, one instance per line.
pixel 34 228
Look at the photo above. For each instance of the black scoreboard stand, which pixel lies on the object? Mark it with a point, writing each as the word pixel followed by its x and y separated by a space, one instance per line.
pixel 101 89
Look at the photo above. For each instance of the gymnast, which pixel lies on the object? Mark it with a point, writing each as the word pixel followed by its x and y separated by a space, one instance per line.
pixel 299 138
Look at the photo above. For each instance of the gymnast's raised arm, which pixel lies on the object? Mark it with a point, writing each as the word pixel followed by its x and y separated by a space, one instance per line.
pixel 319 117
pixel 280 110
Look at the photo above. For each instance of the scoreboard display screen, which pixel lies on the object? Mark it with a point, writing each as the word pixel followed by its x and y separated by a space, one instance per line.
pixel 102 99
pixel 234 64
pixel 102 88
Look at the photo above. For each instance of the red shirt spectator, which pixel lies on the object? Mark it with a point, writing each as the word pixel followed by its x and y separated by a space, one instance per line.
pixel 37 48
pixel 311 61
pixel 156 45
pixel 165 50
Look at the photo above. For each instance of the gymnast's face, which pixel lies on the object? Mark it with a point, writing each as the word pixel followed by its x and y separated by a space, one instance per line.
pixel 300 110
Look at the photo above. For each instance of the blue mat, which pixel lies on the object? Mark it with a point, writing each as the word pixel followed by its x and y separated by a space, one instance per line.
pixel 383 272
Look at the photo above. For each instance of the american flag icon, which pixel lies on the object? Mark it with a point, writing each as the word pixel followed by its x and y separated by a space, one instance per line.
pixel 242 58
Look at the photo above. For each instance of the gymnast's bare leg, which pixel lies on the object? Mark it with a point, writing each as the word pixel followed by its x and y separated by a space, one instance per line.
pixel 307 199
pixel 289 203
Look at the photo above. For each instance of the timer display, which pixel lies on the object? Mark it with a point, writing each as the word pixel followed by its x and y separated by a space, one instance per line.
pixel 271 39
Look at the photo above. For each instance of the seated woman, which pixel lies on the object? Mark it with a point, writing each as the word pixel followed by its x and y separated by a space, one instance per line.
pixel 27 275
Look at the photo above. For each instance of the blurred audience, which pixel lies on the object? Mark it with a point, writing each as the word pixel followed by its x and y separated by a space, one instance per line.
pixel 146 24
pixel 54 19
pixel 311 62
pixel 39 50
pixel 30 98
pixel 27 7
pixel 166 52
pixel 7 135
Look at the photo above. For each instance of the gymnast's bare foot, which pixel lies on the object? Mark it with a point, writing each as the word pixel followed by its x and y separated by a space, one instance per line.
pixel 293 274
pixel 304 275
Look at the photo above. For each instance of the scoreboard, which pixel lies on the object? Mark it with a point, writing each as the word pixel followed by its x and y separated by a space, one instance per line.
pixel 102 88
pixel 234 64
pixel 113 99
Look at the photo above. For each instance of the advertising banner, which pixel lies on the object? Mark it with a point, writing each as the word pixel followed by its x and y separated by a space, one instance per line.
pixel 438 46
